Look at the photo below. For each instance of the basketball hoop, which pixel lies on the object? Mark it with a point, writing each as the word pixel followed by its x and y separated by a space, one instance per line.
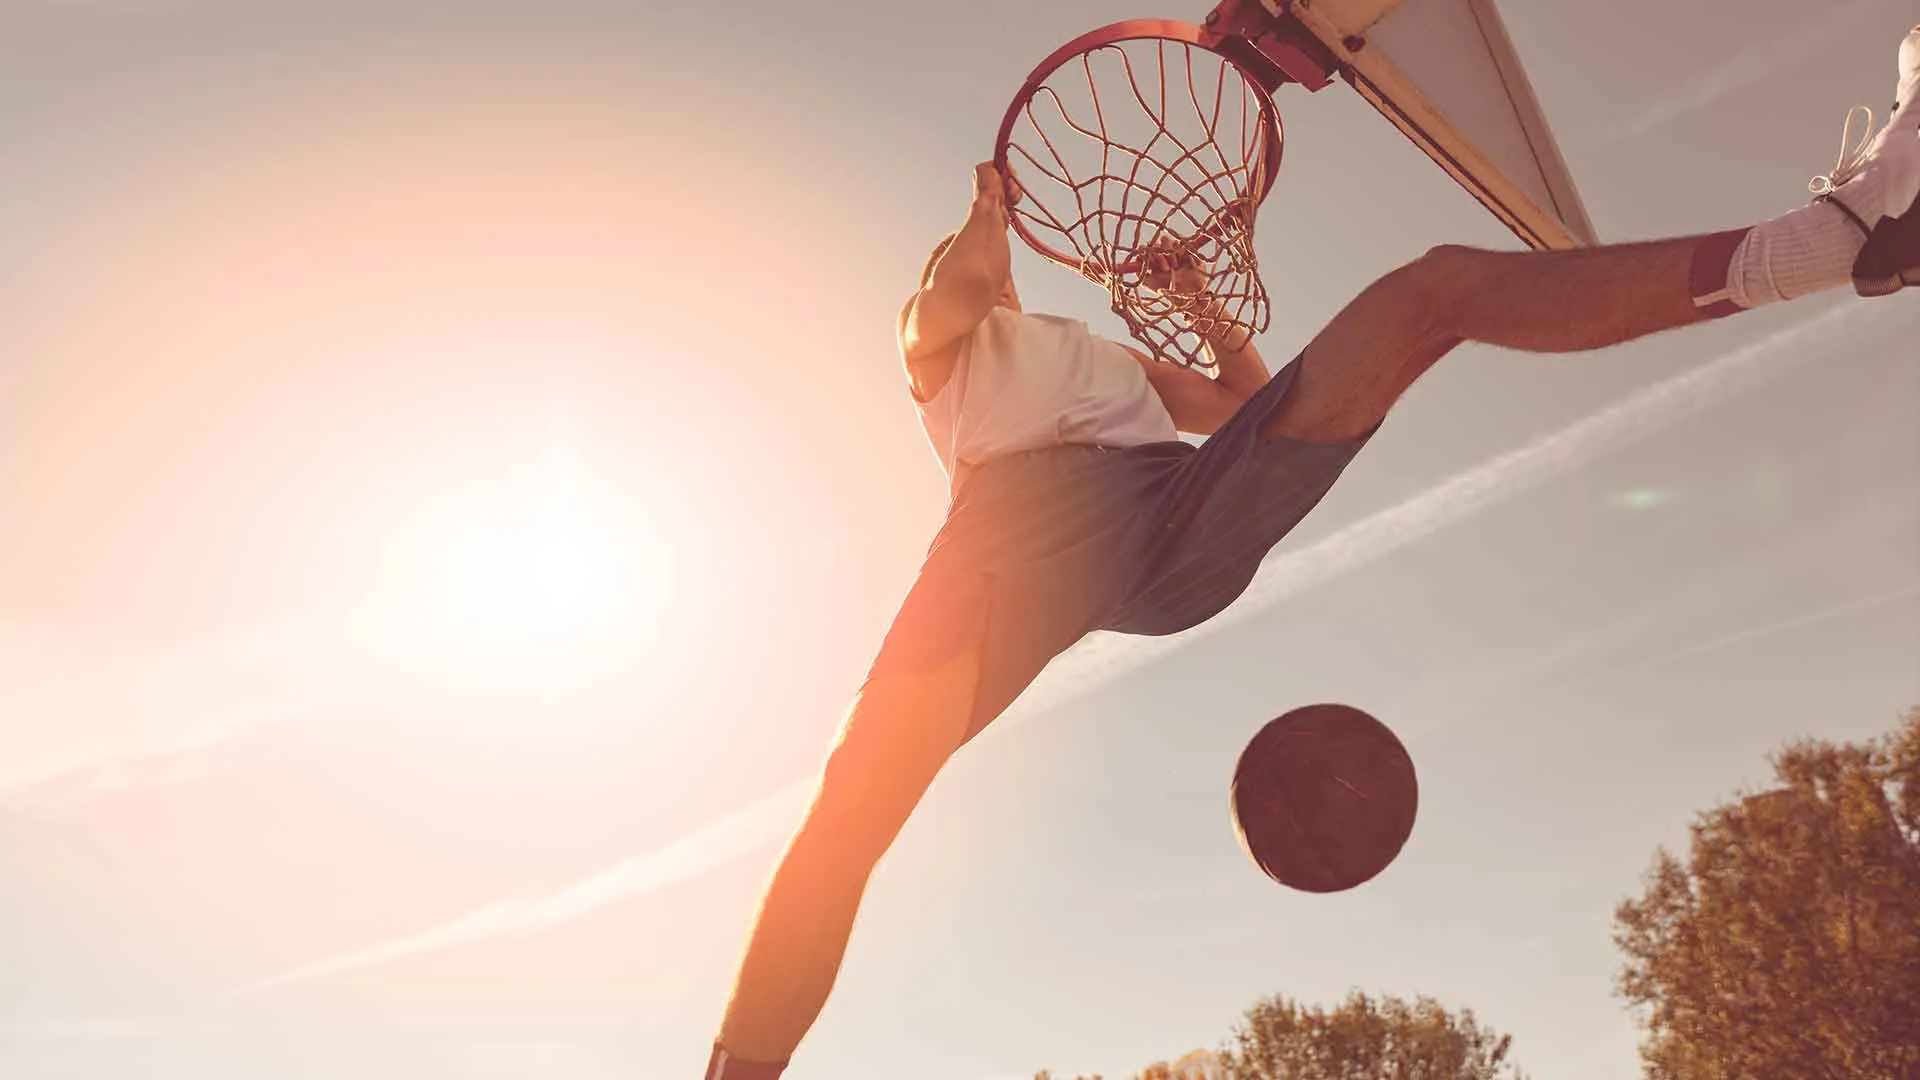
pixel 1138 145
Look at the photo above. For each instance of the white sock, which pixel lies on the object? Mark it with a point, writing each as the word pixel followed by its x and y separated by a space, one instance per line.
pixel 1807 251
pixel 1814 248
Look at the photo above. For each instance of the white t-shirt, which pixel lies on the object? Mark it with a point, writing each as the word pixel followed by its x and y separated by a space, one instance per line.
pixel 1026 382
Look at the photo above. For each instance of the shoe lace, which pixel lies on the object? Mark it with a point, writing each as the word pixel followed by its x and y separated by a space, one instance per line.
pixel 1854 151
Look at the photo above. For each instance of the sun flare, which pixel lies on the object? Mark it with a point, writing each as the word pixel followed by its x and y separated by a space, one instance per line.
pixel 541 579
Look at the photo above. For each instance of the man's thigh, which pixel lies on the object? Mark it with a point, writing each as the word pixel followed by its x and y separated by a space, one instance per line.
pixel 899 733
pixel 1359 365
pixel 1010 624
pixel 1237 497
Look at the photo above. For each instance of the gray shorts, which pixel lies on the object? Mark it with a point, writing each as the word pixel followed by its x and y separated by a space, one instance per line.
pixel 1041 548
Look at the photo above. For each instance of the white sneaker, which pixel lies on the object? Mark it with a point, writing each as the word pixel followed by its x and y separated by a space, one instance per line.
pixel 1884 174
pixel 1909 68
pixel 1893 153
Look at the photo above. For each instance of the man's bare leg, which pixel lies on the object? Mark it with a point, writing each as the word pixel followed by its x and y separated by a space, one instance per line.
pixel 1572 301
pixel 1546 302
pixel 897 736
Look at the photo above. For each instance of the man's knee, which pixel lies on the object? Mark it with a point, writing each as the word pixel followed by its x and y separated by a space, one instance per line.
pixel 899 733
pixel 1451 266
pixel 1437 284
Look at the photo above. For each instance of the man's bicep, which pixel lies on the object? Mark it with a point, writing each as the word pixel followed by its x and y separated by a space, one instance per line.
pixel 948 309
pixel 927 369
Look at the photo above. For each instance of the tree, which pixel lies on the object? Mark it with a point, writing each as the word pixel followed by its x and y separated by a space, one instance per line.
pixel 1788 944
pixel 1197 1065
pixel 1366 1039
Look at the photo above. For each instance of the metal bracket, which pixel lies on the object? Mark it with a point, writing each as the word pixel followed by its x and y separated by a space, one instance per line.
pixel 1273 47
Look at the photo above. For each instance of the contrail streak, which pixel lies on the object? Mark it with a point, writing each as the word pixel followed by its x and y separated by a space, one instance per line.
pixel 120 725
pixel 1091 664
pixel 1685 602
pixel 1901 595
pixel 738 834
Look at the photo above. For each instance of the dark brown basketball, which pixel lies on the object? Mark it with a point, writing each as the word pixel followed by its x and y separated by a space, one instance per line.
pixel 1324 798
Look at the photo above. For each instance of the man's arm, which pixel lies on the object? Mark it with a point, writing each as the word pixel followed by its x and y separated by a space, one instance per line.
pixel 1197 404
pixel 1238 365
pixel 964 280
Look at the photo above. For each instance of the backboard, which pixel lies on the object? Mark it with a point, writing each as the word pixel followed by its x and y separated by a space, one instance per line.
pixel 1447 75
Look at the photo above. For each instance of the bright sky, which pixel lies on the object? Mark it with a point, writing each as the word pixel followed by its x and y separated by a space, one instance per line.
pixel 454 470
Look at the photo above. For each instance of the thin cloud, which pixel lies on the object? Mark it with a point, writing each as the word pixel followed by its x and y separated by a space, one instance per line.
pixel 1684 603
pixel 88 771
pixel 1748 68
pixel 112 725
pixel 1107 658
pixel 1829 613
pixel 741 833
pixel 159 717
pixel 102 766
pixel 81 1029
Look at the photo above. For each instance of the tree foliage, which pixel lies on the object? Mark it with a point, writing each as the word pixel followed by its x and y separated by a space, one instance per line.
pixel 1787 945
pixel 1198 1065
pixel 1365 1038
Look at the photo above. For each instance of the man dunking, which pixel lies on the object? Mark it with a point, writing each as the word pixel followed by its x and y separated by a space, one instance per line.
pixel 1076 507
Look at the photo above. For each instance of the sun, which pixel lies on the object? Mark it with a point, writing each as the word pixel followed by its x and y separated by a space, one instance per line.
pixel 539 578
pixel 530 574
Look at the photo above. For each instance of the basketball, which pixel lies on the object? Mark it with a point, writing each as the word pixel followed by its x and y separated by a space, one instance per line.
pixel 1324 798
